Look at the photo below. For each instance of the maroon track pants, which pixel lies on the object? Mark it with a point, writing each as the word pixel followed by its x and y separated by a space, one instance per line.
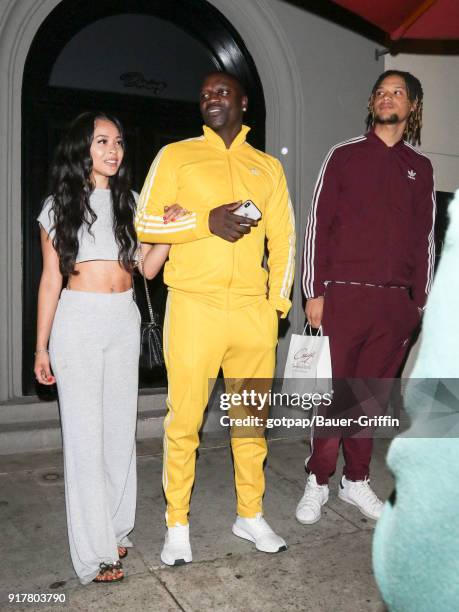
pixel 369 330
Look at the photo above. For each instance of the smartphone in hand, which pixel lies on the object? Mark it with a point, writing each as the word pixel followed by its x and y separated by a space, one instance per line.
pixel 249 210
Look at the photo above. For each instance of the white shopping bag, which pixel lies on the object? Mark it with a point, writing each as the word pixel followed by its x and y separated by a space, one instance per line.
pixel 308 367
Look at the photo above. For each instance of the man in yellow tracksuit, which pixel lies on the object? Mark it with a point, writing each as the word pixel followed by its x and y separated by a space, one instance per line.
pixel 223 305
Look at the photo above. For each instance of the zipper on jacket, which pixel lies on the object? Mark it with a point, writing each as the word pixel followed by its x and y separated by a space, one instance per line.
pixel 230 172
pixel 389 216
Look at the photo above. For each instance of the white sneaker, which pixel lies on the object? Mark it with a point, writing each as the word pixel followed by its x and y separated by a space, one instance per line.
pixel 360 494
pixel 258 531
pixel 177 549
pixel 314 497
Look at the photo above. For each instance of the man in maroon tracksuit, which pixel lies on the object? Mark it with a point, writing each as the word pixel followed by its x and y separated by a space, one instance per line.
pixel 368 266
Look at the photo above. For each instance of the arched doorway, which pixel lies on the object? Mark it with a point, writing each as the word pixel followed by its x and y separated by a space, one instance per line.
pixel 49 100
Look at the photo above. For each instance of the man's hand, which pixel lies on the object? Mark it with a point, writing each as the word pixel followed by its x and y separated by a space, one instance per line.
pixel 230 227
pixel 314 311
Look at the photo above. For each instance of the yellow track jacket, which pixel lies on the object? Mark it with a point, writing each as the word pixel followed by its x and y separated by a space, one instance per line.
pixel 201 174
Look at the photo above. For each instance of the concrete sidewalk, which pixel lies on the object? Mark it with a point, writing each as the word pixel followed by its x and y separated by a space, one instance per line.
pixel 326 568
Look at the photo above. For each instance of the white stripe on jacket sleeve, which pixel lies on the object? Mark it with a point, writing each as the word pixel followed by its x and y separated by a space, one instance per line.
pixel 311 225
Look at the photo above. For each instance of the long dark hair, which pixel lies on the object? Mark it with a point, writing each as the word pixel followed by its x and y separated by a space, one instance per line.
pixel 415 94
pixel 71 186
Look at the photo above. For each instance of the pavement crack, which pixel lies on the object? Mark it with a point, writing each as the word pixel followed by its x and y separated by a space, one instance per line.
pixel 169 592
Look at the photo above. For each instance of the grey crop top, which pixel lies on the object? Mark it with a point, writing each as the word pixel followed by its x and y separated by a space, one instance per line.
pixel 101 244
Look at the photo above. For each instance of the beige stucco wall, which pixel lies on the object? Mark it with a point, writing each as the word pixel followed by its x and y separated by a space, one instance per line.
pixel 439 75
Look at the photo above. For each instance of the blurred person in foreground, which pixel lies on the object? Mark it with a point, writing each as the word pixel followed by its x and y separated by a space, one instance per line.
pixel 416 542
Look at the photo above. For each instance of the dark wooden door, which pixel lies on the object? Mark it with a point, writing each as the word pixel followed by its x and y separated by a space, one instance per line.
pixel 149 122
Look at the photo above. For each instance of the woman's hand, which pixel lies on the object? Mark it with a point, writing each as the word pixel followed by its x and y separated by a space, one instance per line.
pixel 42 369
pixel 48 296
pixel 174 212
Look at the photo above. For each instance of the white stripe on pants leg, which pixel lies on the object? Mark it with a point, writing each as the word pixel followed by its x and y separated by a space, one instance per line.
pixel 94 351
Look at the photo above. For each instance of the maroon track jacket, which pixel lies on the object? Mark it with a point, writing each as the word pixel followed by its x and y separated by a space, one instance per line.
pixel 372 218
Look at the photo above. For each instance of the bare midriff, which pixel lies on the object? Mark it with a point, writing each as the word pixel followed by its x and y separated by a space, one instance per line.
pixel 100 276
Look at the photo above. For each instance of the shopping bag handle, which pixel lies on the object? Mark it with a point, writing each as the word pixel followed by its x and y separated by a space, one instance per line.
pixel 320 331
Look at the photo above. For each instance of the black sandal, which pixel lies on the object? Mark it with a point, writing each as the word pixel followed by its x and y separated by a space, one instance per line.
pixel 108 567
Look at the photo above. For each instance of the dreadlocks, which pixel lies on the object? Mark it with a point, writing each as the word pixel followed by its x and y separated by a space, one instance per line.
pixel 415 94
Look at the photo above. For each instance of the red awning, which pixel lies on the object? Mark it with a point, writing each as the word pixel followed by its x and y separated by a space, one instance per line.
pixel 431 19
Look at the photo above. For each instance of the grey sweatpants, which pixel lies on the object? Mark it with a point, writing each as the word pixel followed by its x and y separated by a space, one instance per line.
pixel 94 352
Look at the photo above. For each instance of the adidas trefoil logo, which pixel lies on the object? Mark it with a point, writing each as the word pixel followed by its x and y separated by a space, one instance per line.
pixel 412 175
pixel 255 171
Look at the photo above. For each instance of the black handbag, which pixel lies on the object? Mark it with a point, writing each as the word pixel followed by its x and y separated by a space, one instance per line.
pixel 151 335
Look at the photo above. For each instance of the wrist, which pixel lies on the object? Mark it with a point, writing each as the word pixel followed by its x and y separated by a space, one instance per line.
pixel 210 222
pixel 41 350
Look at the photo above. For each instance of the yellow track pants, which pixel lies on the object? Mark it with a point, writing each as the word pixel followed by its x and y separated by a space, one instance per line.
pixel 199 339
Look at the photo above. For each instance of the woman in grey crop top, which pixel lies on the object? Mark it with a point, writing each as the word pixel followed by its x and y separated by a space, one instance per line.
pixel 93 329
